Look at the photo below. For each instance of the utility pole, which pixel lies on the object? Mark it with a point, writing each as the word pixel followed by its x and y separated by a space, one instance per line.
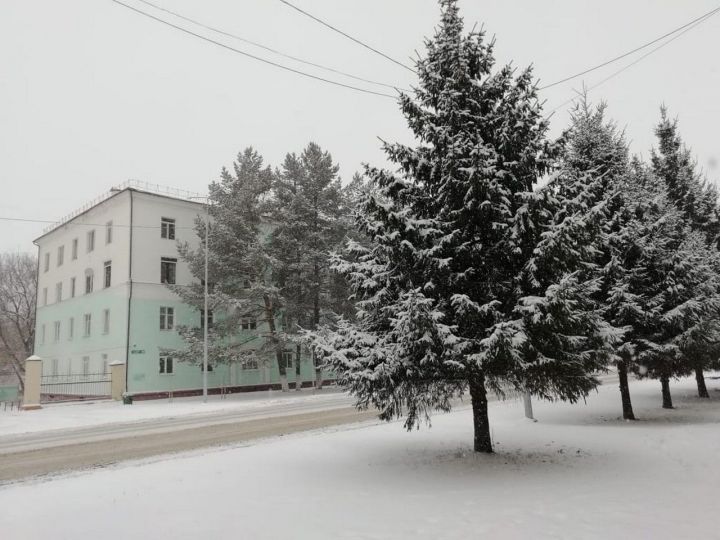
pixel 205 311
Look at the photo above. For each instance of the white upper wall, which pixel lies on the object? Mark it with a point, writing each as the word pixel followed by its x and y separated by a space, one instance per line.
pixel 112 214
pixel 149 246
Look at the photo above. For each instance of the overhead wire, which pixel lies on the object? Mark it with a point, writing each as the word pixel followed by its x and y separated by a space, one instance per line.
pixel 637 49
pixel 266 48
pixel 249 55
pixel 72 223
pixel 348 36
pixel 696 23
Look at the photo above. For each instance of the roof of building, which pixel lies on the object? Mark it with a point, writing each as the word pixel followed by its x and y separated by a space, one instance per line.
pixel 130 185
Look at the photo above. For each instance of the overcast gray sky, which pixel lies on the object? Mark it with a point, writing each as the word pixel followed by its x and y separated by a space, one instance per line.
pixel 92 94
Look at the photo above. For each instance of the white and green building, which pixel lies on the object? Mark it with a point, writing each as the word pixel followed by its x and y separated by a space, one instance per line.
pixel 103 298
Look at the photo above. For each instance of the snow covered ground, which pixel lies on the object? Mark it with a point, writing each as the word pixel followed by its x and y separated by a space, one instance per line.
pixel 94 413
pixel 580 472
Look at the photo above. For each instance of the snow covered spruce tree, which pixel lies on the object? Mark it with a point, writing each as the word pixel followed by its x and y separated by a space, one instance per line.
pixel 440 307
pixel 597 153
pixel 672 279
pixel 241 290
pixel 308 222
pixel 698 201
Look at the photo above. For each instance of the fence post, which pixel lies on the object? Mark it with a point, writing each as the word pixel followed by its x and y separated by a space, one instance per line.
pixel 117 379
pixel 33 378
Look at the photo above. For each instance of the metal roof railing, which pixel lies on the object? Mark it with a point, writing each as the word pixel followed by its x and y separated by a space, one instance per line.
pixel 140 185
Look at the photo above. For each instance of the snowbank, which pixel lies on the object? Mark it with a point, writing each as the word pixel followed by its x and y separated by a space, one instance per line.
pixel 580 472
pixel 56 416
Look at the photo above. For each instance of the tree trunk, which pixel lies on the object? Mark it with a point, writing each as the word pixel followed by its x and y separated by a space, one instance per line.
pixel 318 373
pixel 298 380
pixel 316 323
pixel 700 378
pixel 481 425
pixel 270 319
pixel 667 398
pixel 625 391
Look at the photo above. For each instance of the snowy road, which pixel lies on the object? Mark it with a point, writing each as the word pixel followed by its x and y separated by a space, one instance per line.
pixel 46 452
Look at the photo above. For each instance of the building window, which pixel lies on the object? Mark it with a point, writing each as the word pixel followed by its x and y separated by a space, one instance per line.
pixel 287 359
pixel 106 321
pixel 90 241
pixel 44 296
pixel 105 363
pixel 71 328
pixel 54 367
pixel 56 334
pixel 107 274
pixel 58 292
pixel 209 317
pixel 167 318
pixel 72 287
pixel 60 255
pixel 166 365
pixel 88 324
pixel 108 232
pixel 74 248
pixel 248 323
pixel 46 266
pixel 42 335
pixel 168 269
pixel 210 367
pixel 250 363
pixel 85 366
pixel 88 281
pixel 167 228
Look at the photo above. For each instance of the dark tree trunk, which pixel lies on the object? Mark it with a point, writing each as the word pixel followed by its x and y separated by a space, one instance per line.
pixel 270 319
pixel 625 391
pixel 667 398
pixel 316 323
pixel 481 425
pixel 700 378
pixel 298 381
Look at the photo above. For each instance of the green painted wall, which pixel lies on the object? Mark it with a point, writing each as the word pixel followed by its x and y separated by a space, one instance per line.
pixel 147 340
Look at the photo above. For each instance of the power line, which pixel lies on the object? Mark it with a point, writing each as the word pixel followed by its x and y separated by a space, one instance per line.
pixel 73 224
pixel 331 27
pixel 607 62
pixel 266 48
pixel 264 60
pixel 619 71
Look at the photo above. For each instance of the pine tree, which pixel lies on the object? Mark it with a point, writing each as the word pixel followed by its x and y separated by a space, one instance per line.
pixel 240 283
pixel 697 200
pixel 308 222
pixel 440 309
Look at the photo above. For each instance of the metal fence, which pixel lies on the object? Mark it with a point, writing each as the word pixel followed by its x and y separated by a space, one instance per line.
pixel 9 406
pixel 74 387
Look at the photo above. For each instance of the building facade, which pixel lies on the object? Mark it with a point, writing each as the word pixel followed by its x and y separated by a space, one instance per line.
pixel 103 296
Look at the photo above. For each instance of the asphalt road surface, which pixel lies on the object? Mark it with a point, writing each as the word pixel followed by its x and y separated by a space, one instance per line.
pixel 43 453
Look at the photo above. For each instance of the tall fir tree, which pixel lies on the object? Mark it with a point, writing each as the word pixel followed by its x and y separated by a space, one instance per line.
pixel 698 202
pixel 440 306
pixel 596 151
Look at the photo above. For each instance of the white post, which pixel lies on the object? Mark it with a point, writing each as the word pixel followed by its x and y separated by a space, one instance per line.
pixel 528 406
pixel 205 314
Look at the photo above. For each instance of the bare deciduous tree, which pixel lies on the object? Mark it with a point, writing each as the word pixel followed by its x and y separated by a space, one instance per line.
pixel 18 290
